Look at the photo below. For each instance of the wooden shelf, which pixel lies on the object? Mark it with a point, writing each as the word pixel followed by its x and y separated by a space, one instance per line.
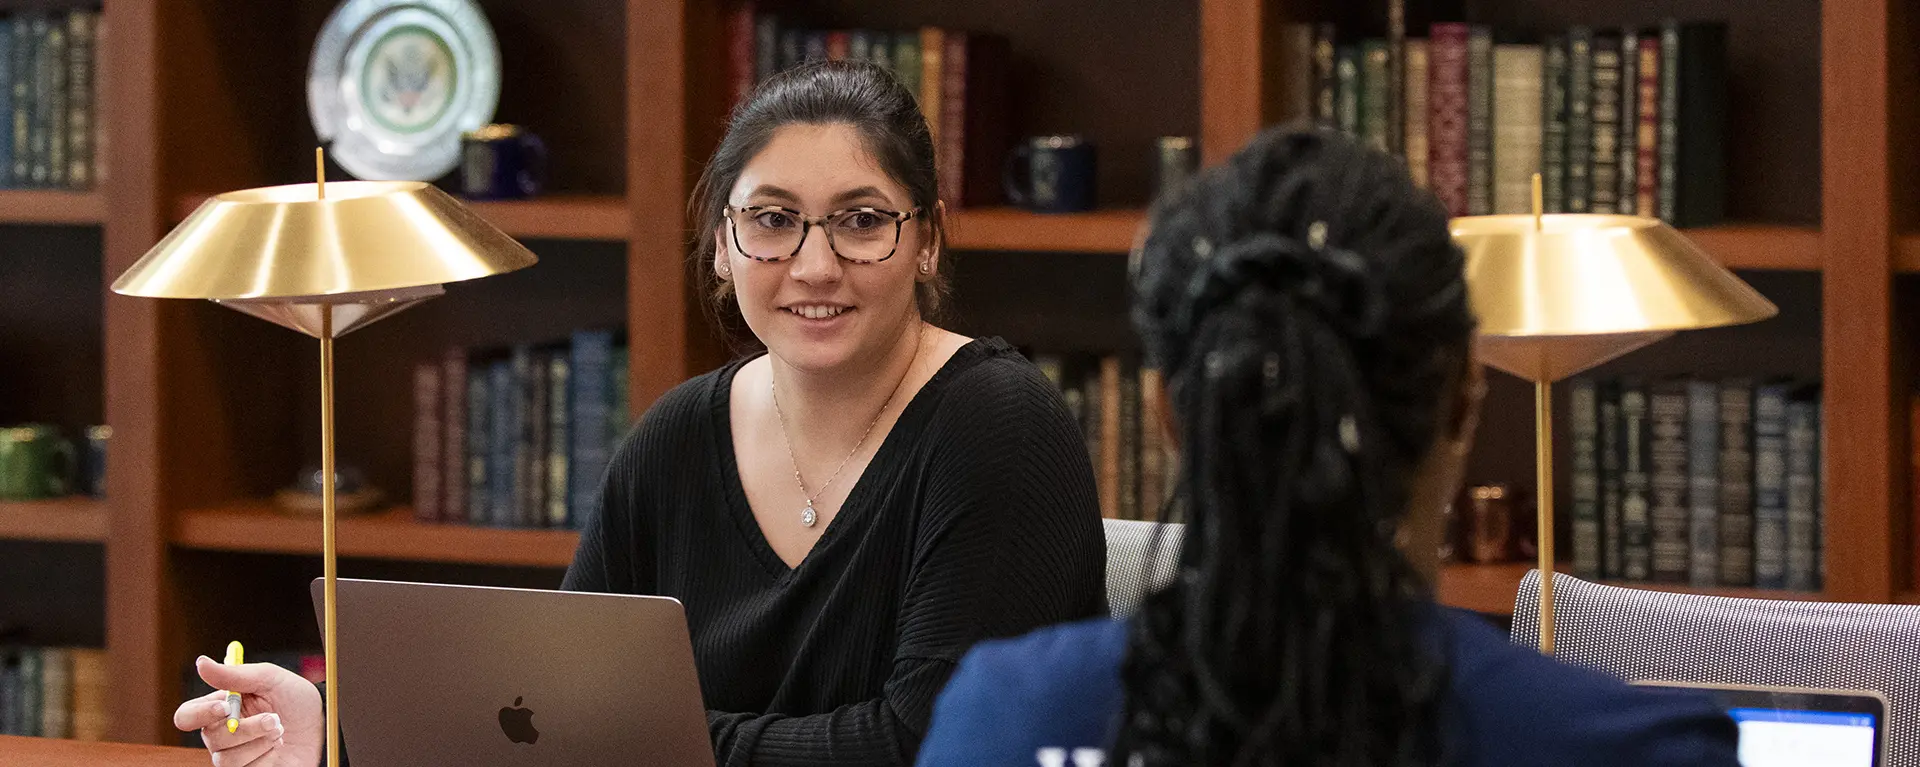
pixel 1761 246
pixel 561 217
pixel 1104 231
pixel 60 519
pixel 1486 589
pixel 1491 588
pixel 51 206
pixel 554 217
pixel 391 534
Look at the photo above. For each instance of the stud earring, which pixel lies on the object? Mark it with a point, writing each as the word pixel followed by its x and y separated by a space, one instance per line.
pixel 726 272
pixel 925 269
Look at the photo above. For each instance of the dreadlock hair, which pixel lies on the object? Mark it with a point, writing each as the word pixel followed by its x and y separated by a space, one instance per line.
pixel 1308 308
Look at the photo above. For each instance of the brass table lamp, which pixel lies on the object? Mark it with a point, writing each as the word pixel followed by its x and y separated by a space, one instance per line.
pixel 325 260
pixel 1558 294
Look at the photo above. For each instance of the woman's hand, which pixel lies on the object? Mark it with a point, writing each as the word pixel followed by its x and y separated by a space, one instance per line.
pixel 281 725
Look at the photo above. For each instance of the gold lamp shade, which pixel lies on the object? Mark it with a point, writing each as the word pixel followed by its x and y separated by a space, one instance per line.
pixel 1559 294
pixel 364 251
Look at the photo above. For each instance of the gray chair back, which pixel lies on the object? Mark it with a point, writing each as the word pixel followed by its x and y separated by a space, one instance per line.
pixel 1637 634
pixel 1130 574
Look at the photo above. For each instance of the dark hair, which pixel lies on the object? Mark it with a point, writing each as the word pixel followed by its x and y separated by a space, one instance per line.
pixel 857 93
pixel 1308 308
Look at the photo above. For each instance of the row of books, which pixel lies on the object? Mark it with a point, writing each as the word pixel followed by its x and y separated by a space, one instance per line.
pixel 960 78
pixel 49 131
pixel 1707 483
pixel 517 437
pixel 1117 404
pixel 1625 121
pixel 53 692
pixel 311 666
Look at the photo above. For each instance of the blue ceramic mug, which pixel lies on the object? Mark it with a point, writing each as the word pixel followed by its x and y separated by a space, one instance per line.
pixel 501 162
pixel 1051 174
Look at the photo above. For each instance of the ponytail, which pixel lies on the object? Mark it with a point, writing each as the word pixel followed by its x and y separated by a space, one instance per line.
pixel 1307 308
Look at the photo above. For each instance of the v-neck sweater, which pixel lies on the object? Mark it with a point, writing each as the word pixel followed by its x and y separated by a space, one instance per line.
pixel 976 518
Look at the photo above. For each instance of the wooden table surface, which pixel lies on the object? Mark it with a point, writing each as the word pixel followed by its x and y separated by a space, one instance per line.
pixel 47 752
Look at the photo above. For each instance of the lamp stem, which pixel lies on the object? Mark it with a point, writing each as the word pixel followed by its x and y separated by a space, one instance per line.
pixel 1539 203
pixel 328 564
pixel 320 173
pixel 1543 445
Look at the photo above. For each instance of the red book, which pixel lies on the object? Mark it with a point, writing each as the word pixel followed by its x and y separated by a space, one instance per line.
pixel 838 45
pixel 973 136
pixel 1647 130
pixel 741 61
pixel 1447 115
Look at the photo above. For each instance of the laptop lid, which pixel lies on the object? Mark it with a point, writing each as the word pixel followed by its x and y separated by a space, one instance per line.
pixel 1798 727
pixel 442 674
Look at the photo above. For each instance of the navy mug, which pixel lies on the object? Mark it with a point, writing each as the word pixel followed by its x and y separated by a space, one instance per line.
pixel 1051 174
pixel 501 162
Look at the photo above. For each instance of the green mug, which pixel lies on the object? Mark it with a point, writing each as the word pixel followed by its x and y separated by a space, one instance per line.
pixel 35 462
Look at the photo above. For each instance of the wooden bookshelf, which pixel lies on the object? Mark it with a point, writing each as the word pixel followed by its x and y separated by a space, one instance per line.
pixel 557 217
pixel 51 206
pixel 188 386
pixel 390 534
pixel 1104 231
pixel 61 519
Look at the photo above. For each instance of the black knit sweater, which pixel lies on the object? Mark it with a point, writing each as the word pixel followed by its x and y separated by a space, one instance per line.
pixel 976 518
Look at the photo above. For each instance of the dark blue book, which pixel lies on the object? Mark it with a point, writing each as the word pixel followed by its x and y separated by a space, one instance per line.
pixel 1770 485
pixel 592 354
pixel 6 102
pixel 504 433
pixel 559 438
pixel 479 443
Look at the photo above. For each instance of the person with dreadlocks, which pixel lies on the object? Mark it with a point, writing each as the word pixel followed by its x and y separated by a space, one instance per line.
pixel 1309 310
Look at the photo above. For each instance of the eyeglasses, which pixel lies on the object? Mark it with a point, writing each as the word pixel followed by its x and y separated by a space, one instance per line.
pixel 772 233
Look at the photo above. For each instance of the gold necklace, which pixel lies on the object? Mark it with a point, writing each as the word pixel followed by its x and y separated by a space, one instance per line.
pixel 807 515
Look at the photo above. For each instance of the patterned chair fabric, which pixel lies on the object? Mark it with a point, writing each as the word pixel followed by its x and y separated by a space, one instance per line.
pixel 1650 635
pixel 1130 546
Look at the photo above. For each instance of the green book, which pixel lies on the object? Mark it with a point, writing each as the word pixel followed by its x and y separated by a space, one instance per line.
pixel 906 60
pixel 1373 92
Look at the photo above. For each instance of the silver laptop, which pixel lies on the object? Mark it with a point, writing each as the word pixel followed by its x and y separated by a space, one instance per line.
pixel 470 675
pixel 1799 727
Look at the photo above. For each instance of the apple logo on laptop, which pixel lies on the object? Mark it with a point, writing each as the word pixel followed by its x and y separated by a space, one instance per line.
pixel 517 723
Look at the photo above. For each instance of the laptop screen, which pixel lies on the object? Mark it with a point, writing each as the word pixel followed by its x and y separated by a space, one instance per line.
pixel 1778 737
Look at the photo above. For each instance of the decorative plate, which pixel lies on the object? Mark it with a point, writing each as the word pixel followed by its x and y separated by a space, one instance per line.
pixel 393 84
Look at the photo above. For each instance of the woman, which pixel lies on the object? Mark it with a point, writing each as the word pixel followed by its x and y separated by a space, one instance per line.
pixel 1310 312
pixel 844 515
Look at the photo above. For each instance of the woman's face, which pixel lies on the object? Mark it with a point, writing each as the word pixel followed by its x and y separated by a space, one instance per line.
pixel 816 310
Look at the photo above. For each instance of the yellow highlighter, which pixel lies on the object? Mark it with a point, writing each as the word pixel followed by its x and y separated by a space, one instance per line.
pixel 235 657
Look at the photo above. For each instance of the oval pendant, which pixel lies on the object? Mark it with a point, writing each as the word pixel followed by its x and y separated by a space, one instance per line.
pixel 807 517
